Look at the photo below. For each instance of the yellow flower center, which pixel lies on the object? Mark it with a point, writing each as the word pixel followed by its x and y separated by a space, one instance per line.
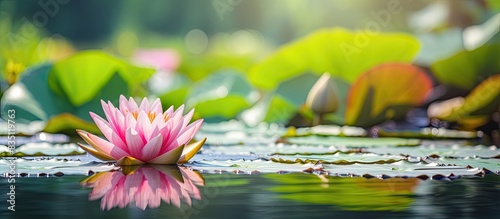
pixel 151 115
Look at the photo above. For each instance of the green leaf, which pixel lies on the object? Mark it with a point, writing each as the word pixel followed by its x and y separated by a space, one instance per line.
pixel 32 98
pixel 386 92
pixel 352 141
pixel 68 165
pixel 81 76
pixel 111 91
pixel 42 149
pixel 281 104
pixel 67 123
pixel 483 100
pixel 439 45
pixel 177 89
pixel 340 52
pixel 471 66
pixel 227 107
pixel 174 97
pixel 222 94
pixel 493 5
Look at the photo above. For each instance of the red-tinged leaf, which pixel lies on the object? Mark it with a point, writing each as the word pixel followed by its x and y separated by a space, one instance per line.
pixel 385 92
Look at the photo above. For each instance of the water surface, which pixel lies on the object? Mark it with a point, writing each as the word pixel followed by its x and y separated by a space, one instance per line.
pixel 294 195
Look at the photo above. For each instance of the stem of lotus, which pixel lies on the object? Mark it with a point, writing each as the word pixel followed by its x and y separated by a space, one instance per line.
pixel 317 119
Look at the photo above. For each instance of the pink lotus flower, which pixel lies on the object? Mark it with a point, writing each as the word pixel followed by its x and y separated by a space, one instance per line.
pixel 145 186
pixel 143 134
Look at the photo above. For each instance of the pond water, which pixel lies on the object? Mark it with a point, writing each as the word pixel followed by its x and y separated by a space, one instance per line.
pixel 294 195
pixel 257 173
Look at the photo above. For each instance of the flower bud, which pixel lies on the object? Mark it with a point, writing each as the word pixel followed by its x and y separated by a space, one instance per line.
pixel 323 96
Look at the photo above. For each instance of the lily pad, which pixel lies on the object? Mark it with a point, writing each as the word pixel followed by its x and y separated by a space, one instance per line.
pixel 472 66
pixel 177 87
pixel 429 133
pixel 42 149
pixel 386 92
pixel 389 169
pixel 221 95
pixel 352 141
pixel 326 130
pixel 44 166
pixel 439 150
pixel 26 97
pixel 80 77
pixel 342 53
pixel 33 100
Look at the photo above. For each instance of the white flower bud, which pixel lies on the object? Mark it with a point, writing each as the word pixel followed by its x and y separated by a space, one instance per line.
pixel 323 96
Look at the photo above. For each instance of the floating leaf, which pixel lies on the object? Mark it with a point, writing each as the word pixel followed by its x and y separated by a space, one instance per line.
pixel 80 77
pixel 67 122
pixel 428 133
pixel 247 166
pixel 42 149
pixel 440 151
pixel 223 94
pixel 343 53
pixel 176 89
pixel 385 92
pixel 352 141
pixel 340 161
pixel 34 100
pixel 439 45
pixel 326 130
pixel 37 166
pixel 467 68
pixel 388 169
pixel 281 104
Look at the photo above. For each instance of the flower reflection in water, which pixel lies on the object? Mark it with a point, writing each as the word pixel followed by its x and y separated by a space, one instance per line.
pixel 144 186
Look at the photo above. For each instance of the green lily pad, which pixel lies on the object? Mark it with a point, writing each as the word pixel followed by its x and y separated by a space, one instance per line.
pixel 455 152
pixel 82 76
pixel 178 89
pixel 342 53
pixel 390 168
pixel 42 149
pixel 327 130
pixel 352 141
pixel 429 133
pixel 439 45
pixel 281 104
pixel 221 95
pixel 51 166
pixel 472 66
pixel 33 100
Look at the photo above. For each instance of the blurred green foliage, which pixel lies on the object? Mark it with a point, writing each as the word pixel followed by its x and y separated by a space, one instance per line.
pixel 342 53
pixel 62 94
pixel 255 61
pixel 471 66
